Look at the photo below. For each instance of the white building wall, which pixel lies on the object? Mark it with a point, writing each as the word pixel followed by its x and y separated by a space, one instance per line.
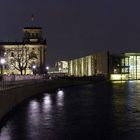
pixel 90 65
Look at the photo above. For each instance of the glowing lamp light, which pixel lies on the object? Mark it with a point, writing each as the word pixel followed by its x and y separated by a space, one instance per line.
pixel 47 68
pixel 2 61
pixel 34 66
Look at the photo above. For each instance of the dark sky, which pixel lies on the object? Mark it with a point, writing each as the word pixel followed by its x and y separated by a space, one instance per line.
pixel 75 28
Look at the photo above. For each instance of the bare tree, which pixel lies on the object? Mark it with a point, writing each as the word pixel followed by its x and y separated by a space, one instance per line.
pixel 21 58
pixel 2 50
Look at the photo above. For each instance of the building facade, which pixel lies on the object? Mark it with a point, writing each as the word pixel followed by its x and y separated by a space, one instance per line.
pixel 26 57
pixel 89 65
pixel 61 66
pixel 125 66
pixel 60 69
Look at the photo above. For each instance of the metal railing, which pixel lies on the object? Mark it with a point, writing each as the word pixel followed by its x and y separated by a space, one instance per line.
pixel 10 81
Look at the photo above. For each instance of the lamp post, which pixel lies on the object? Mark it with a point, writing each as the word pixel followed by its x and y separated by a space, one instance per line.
pixel 47 70
pixel 34 69
pixel 2 61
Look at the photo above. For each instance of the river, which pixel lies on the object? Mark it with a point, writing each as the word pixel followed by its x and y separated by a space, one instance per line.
pixel 98 111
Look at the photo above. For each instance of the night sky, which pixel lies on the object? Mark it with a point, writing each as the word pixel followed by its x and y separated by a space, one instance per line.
pixel 75 28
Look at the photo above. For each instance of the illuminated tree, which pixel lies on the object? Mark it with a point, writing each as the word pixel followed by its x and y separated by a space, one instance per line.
pixel 21 58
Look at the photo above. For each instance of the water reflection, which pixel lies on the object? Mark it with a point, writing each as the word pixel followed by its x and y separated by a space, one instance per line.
pixel 34 105
pixel 5 133
pixel 126 104
pixel 34 118
pixel 34 111
pixel 60 97
pixel 98 111
pixel 47 111
pixel 46 103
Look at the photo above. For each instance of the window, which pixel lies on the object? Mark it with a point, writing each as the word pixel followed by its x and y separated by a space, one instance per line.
pixel 12 54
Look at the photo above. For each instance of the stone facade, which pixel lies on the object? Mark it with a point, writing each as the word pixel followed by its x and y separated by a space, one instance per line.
pixel 26 57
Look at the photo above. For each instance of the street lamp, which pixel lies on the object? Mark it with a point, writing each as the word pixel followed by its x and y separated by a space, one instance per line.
pixel 34 68
pixel 2 61
pixel 47 68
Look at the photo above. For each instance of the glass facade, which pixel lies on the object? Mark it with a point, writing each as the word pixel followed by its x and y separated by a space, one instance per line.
pixel 134 66
pixel 129 67
pixel 125 66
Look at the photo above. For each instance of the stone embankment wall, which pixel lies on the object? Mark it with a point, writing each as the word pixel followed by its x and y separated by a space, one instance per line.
pixel 14 95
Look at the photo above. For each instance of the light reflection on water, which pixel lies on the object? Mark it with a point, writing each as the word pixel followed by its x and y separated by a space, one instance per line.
pixel 97 111
pixel 126 102
pixel 60 97
pixel 33 118
pixel 5 134
pixel 47 115
pixel 46 103
pixel 33 112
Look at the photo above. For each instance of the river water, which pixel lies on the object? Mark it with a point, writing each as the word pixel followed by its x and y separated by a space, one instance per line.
pixel 99 111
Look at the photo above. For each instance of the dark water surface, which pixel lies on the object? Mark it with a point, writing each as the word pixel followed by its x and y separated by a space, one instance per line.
pixel 100 111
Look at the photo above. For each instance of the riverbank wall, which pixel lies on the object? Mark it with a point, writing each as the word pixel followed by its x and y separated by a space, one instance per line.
pixel 11 97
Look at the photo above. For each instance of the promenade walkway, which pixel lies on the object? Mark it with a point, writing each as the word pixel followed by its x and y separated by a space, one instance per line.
pixel 9 82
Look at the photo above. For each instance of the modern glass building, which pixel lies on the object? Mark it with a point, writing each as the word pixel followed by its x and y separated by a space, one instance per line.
pixel 125 67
